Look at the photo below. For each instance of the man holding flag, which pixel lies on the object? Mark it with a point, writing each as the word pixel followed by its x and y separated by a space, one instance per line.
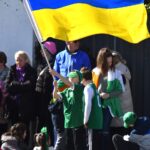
pixel 71 59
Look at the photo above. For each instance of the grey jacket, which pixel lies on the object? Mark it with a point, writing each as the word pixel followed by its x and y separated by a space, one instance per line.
pixel 142 140
pixel 11 143
pixel 4 73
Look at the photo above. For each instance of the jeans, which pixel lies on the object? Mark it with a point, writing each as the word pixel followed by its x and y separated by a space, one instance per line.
pixel 60 142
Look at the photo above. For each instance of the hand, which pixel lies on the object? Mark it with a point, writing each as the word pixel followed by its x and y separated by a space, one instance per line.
pixel 126 137
pixel 86 125
pixel 104 95
pixel 27 82
pixel 15 83
pixel 53 72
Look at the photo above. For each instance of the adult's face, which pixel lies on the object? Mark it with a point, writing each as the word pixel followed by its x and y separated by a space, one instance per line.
pixel 109 61
pixel 72 46
pixel 20 62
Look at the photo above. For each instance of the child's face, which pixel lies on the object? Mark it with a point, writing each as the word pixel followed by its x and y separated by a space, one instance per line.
pixel 74 80
pixel 83 82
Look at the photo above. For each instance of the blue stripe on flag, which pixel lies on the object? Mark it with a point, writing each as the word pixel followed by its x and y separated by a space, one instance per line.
pixel 54 4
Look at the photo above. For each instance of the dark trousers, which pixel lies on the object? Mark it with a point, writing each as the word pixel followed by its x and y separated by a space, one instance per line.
pixel 75 138
pixel 106 137
pixel 121 144
pixel 94 139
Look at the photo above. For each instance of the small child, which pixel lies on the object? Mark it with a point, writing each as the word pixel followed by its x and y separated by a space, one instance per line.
pixel 93 117
pixel 139 138
pixel 14 139
pixel 43 140
pixel 56 108
pixel 72 98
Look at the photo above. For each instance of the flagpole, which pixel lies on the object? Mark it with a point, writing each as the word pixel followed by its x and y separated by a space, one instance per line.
pixel 35 28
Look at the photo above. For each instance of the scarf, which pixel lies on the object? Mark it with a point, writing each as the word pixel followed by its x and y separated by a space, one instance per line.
pixel 20 73
pixel 114 84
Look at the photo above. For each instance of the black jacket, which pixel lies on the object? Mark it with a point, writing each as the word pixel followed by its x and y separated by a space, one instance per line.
pixel 44 86
pixel 25 90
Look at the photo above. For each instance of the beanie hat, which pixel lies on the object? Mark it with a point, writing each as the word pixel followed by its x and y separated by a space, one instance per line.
pixel 74 74
pixel 60 83
pixel 129 118
pixel 51 47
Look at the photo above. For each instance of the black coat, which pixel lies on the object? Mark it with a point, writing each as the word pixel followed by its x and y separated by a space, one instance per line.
pixel 44 87
pixel 25 90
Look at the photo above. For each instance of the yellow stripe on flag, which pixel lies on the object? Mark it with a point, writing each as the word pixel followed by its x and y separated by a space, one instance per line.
pixel 77 21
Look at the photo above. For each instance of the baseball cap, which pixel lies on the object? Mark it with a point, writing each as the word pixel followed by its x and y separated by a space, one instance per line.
pixel 129 118
pixel 74 74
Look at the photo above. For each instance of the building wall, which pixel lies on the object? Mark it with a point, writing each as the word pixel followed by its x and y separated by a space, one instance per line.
pixel 15 29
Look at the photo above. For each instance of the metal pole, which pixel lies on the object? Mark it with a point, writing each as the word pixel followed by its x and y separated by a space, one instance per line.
pixel 35 28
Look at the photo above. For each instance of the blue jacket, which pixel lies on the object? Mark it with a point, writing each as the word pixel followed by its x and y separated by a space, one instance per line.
pixel 141 133
pixel 66 62
pixel 141 126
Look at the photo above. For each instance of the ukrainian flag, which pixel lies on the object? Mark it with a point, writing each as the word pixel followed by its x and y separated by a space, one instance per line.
pixel 70 20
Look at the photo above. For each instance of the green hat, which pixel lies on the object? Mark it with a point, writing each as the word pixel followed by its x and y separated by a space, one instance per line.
pixel 60 83
pixel 74 74
pixel 129 118
pixel 45 131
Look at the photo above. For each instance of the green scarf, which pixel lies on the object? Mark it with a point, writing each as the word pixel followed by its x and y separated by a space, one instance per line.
pixel 114 84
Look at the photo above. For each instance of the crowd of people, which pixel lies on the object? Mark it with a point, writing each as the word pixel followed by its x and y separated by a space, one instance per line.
pixel 70 106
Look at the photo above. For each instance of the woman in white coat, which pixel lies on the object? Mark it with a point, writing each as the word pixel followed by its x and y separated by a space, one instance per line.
pixel 125 97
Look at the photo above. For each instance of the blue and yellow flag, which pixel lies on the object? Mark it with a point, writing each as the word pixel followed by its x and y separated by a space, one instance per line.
pixel 70 20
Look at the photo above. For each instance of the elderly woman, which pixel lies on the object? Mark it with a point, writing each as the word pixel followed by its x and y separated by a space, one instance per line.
pixel 20 85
